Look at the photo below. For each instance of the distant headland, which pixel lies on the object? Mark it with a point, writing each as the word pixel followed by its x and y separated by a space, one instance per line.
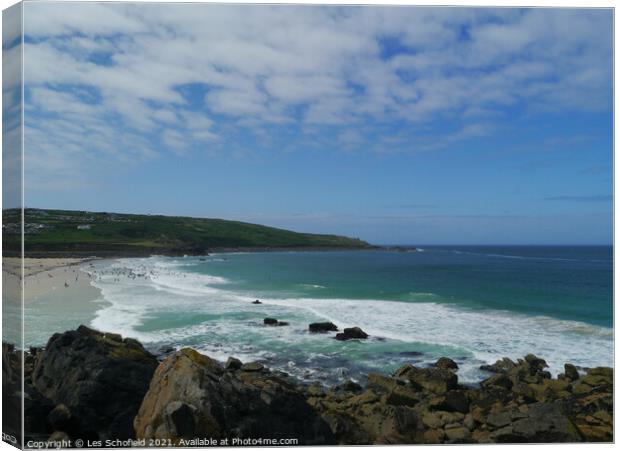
pixel 65 233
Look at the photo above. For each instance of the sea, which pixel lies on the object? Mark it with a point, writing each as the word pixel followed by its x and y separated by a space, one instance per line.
pixel 474 304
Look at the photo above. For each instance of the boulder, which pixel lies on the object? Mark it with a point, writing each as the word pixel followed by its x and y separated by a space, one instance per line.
pixel 233 364
pixel 501 366
pixel 352 333
pixel 498 380
pixel 540 423
pixel 270 322
pixel 451 401
pixel 436 380
pixel 56 438
pixel 570 371
pixel 192 395
pixel 322 327
pixel 12 390
pixel 350 386
pixel 446 363
pixel 99 378
pixel 252 366
pixel 60 418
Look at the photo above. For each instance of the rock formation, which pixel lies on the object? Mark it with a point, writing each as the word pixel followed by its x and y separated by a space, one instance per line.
pixel 98 379
pixel 88 384
pixel 192 395
pixel 352 333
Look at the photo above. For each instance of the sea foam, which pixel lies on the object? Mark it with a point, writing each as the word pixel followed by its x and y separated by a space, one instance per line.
pixel 233 326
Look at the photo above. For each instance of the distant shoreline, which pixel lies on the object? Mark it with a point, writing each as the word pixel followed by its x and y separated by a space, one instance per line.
pixel 111 254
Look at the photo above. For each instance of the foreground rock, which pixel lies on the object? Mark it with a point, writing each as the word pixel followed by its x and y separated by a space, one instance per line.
pixel 521 403
pixel 11 390
pixel 87 384
pixel 98 379
pixel 192 395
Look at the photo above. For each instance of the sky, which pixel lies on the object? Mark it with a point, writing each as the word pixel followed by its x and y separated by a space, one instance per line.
pixel 397 125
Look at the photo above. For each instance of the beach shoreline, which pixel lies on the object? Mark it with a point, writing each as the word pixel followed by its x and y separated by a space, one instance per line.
pixel 43 275
pixel 57 295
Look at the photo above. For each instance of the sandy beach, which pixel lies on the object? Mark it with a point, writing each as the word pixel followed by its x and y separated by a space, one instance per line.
pixel 57 295
pixel 43 275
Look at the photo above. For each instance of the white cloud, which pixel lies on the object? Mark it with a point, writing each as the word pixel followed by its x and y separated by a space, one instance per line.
pixel 259 65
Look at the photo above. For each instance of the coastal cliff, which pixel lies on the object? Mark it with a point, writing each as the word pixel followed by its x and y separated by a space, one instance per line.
pixel 91 385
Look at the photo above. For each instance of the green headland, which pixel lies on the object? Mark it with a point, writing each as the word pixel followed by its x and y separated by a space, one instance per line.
pixel 55 233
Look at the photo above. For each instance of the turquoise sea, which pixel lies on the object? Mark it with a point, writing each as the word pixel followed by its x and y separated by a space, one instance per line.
pixel 474 304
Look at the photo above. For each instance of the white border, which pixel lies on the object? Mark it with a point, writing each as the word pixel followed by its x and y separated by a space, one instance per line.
pixel 497 3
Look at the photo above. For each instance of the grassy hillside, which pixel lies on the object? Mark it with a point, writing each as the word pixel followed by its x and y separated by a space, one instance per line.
pixel 60 232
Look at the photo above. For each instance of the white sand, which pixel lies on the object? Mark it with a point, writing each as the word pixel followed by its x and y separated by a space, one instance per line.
pixel 57 296
pixel 43 275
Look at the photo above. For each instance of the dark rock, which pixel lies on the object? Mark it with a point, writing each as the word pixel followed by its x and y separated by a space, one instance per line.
pixel 498 380
pixel 352 333
pixel 380 382
pixel 11 391
pixel 270 322
pixel 322 327
pixel 350 386
pixel 571 372
pixel 257 302
pixel 88 375
pixel 60 418
pixel 100 380
pixel 501 366
pixel 282 323
pixel 252 366
pixel 436 380
pixel 180 419
pixel 36 411
pixel 114 337
pixel 537 364
pixel 207 401
pixel 233 364
pixel 446 363
pixel 458 434
pixel 542 423
pixel 58 437
pixel 452 401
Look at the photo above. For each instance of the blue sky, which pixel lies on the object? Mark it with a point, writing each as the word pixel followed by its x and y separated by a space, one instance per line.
pixel 396 125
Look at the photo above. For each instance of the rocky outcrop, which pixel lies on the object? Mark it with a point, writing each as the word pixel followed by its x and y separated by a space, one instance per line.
pixel 352 333
pixel 11 391
pixel 446 363
pixel 322 327
pixel 520 403
pixel 88 384
pixel 96 382
pixel 192 395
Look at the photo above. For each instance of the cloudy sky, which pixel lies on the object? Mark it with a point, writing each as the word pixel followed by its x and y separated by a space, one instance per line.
pixel 394 124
